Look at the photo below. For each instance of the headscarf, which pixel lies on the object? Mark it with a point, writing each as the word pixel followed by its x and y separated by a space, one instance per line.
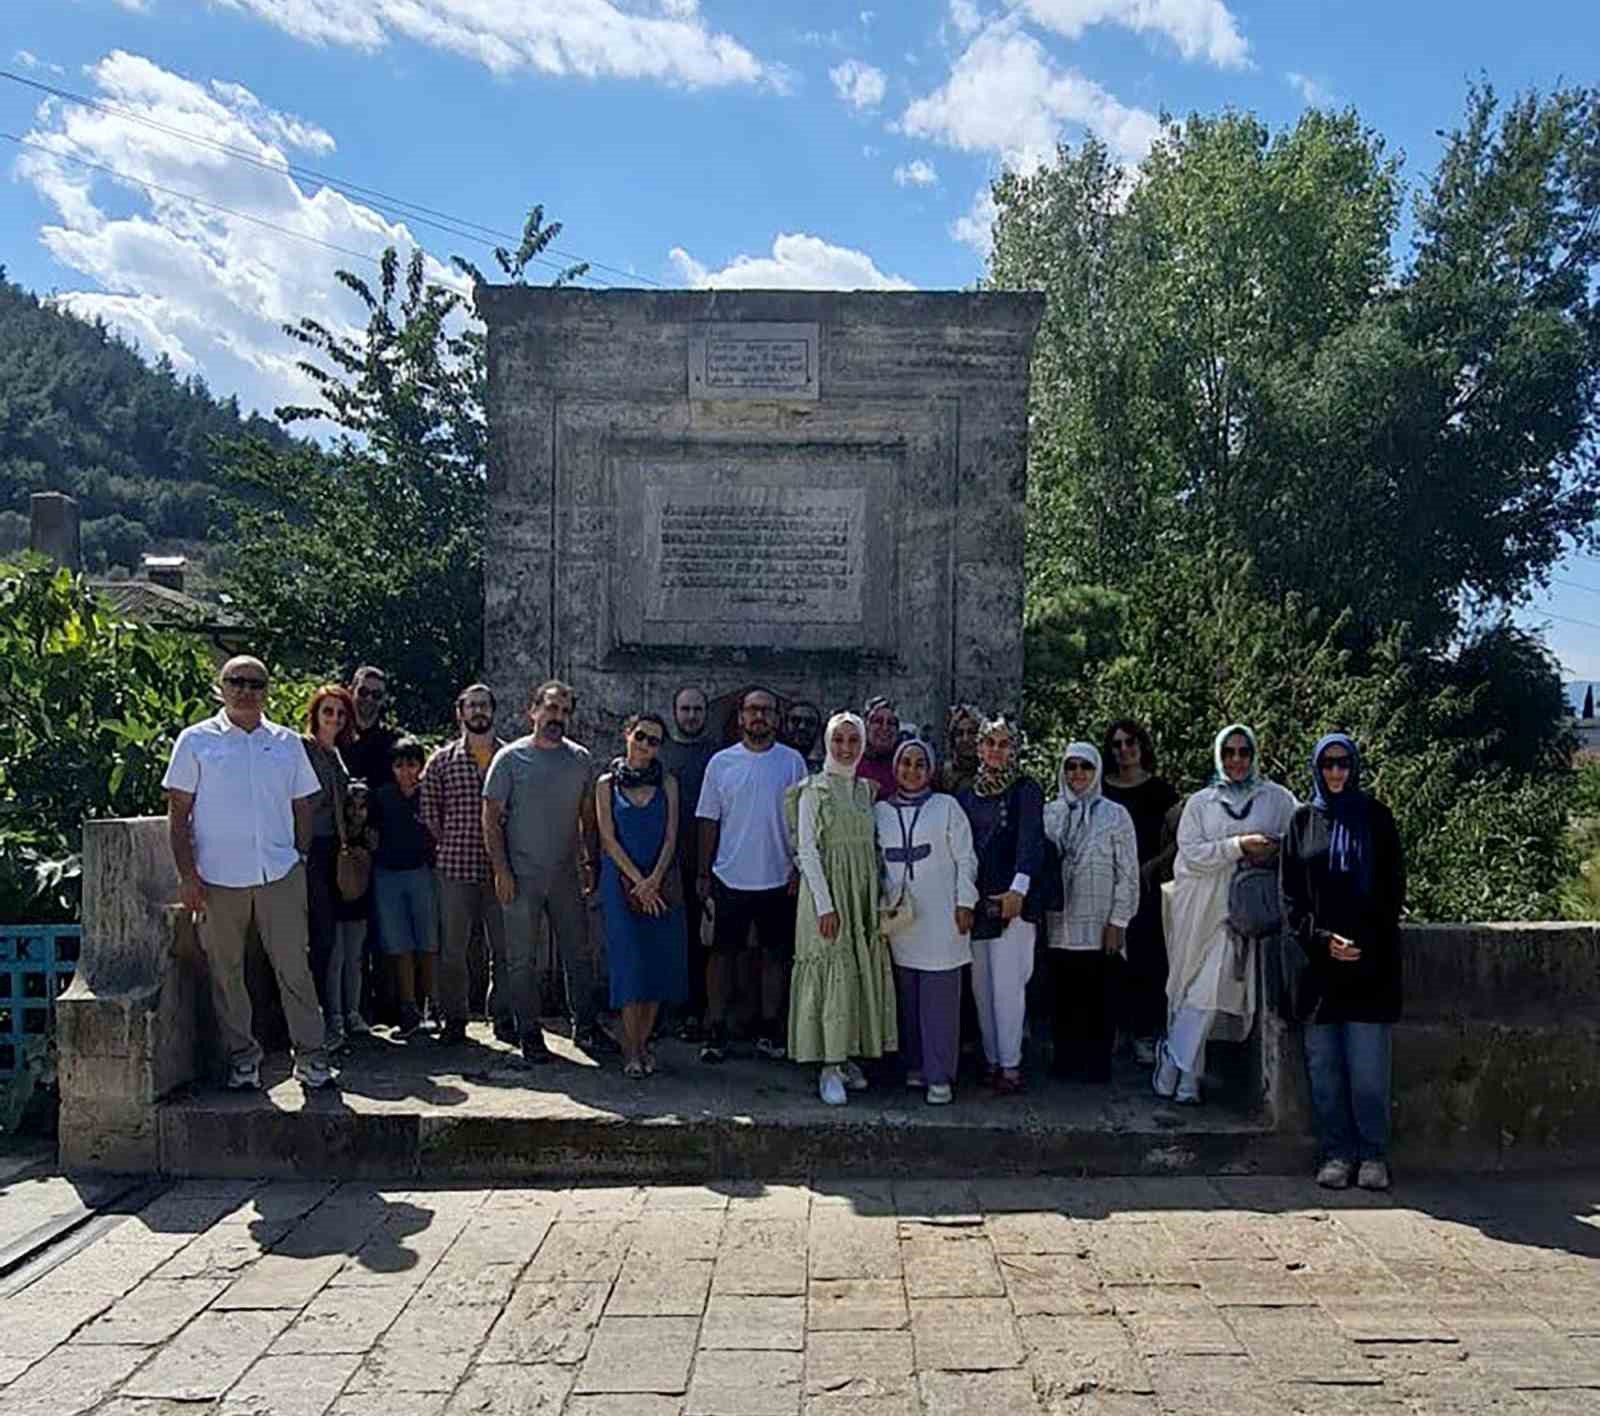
pixel 1349 814
pixel 1067 819
pixel 829 765
pixel 872 704
pixel 1236 793
pixel 997 781
pixel 901 797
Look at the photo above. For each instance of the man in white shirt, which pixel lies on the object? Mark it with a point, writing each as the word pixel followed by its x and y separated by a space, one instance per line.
pixel 747 870
pixel 240 791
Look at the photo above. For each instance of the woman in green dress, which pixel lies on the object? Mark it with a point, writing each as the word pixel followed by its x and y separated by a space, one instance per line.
pixel 841 1002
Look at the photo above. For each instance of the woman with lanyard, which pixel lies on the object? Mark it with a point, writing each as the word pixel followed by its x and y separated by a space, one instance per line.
pixel 1344 888
pixel 1100 892
pixel 1130 780
pixel 1006 812
pixel 1211 979
pixel 841 994
pixel 930 885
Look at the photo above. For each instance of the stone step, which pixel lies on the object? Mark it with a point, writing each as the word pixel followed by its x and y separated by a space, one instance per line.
pixel 416 1110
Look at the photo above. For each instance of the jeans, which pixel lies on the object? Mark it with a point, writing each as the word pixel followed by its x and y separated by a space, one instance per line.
pixel 1348 1065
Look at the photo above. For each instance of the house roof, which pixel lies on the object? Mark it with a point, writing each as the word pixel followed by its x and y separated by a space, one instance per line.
pixel 155 604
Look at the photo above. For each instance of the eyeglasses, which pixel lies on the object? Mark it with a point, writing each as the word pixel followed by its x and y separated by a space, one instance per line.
pixel 1239 752
pixel 1335 764
pixel 649 739
pixel 256 685
pixel 1074 764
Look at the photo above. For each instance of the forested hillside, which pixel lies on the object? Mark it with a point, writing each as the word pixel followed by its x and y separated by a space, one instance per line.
pixel 82 412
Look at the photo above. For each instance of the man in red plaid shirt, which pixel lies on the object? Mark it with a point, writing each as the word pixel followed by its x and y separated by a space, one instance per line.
pixel 452 809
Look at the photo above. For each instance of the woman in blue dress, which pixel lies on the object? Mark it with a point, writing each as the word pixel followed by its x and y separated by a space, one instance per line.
pixel 636 804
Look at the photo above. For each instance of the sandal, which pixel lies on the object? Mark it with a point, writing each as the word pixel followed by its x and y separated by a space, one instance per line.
pixel 634 1070
pixel 1007 1083
pixel 648 1061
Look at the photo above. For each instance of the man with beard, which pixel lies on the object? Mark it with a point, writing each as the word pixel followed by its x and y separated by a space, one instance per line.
pixel 538 824
pixel 452 810
pixel 747 870
pixel 883 736
pixel 367 757
pixel 802 730
pixel 685 753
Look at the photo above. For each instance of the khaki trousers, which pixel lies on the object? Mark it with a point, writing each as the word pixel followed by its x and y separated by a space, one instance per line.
pixel 279 912
pixel 462 905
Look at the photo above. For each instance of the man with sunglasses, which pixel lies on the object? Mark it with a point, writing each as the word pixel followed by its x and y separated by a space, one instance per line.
pixel 240 792
pixel 368 756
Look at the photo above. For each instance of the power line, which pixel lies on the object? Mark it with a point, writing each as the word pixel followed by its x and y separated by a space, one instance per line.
pixel 414 211
pixel 1573 585
pixel 1565 619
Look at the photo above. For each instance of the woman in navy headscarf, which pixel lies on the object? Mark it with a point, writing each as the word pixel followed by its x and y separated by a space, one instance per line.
pixel 1344 887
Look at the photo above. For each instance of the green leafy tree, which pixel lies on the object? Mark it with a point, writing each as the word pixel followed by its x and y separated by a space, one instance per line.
pixel 89 709
pixel 372 551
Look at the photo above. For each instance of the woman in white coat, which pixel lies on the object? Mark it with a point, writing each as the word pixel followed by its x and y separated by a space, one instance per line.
pixel 928 864
pixel 1211 980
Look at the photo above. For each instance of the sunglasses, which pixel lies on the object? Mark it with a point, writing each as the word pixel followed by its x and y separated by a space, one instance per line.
pixel 259 685
pixel 1075 764
pixel 1335 764
pixel 1238 752
pixel 650 739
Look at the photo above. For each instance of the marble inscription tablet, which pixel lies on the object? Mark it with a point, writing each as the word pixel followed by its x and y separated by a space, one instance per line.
pixel 753 361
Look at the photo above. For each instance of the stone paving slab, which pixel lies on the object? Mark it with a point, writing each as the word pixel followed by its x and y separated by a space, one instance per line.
pixel 1054 1296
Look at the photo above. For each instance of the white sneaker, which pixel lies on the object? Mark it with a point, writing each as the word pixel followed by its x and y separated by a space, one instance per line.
pixel 831 1087
pixel 244 1077
pixel 1334 1175
pixel 312 1075
pixel 1188 1093
pixel 854 1077
pixel 941 1094
pixel 1373 1175
pixel 1164 1082
pixel 915 1081
pixel 355 1024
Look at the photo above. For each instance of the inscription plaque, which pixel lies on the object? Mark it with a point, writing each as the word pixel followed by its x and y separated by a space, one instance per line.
pixel 753 554
pixel 753 361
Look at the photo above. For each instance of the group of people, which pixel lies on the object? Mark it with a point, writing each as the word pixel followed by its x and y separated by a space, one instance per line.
pixel 838 893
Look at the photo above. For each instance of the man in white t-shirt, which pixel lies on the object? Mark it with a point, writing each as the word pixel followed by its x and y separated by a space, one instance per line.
pixel 747 871
pixel 240 792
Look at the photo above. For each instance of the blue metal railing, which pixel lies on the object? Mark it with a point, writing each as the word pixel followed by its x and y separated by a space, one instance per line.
pixel 37 962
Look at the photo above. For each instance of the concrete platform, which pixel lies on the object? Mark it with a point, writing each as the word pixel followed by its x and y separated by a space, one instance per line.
pixel 419 1110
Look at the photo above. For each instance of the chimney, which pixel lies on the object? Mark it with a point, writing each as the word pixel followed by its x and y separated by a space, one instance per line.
pixel 166 571
pixel 53 529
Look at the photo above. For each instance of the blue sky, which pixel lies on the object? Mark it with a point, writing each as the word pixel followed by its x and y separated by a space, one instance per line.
pixel 686 142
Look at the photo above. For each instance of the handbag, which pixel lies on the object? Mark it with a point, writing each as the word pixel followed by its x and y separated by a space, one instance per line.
pixel 352 870
pixel 895 919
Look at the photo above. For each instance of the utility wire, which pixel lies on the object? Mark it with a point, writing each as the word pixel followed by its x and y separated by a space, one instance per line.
pixel 414 211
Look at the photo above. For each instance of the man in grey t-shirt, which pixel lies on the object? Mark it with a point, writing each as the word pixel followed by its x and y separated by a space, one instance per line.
pixel 538 823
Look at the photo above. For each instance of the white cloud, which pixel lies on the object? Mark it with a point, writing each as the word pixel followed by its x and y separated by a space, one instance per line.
pixel 1005 95
pixel 858 84
pixel 797 262
pixel 209 288
pixel 138 7
pixel 964 16
pixel 1202 29
pixel 1309 89
pixel 975 226
pixel 23 59
pixel 668 41
pixel 916 173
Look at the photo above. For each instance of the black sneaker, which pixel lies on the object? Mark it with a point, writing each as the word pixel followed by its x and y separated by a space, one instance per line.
pixel 715 1046
pixel 595 1039
pixel 535 1053
pixel 771 1048
pixel 689 1030
pixel 452 1034
pixel 410 1024
pixel 505 1032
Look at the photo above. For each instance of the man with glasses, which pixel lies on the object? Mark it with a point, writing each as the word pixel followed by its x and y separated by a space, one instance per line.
pixel 239 805
pixel 539 830
pixel 685 753
pixel 747 870
pixel 368 756
pixel 452 810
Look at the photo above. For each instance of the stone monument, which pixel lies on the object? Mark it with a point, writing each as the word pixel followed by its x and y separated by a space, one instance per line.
pixel 821 492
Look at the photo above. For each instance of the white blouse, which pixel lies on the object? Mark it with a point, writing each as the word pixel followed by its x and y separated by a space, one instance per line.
pixel 927 852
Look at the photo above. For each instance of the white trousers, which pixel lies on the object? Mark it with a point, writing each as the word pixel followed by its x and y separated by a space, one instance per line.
pixel 1001 969
pixel 1187 1034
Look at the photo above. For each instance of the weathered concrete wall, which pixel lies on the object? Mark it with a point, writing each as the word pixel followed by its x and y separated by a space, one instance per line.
pixel 903 429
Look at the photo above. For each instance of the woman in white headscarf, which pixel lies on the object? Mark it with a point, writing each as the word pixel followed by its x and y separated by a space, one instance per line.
pixel 841 998
pixel 1211 978
pixel 1100 893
